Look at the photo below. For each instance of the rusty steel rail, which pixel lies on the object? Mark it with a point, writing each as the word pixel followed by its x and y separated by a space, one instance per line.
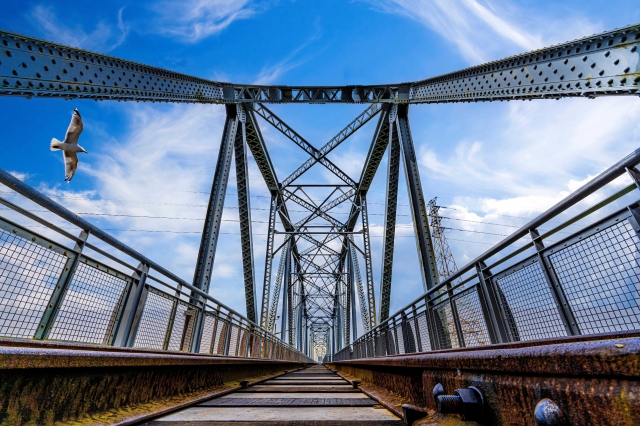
pixel 48 382
pixel 581 380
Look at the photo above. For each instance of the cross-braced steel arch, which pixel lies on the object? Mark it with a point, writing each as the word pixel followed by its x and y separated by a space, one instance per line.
pixel 319 273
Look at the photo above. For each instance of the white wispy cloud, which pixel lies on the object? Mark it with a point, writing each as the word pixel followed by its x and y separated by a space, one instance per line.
pixel 194 20
pixel 478 28
pixel 103 38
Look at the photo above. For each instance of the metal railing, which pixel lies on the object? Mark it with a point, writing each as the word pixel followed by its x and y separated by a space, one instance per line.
pixel 586 283
pixel 49 291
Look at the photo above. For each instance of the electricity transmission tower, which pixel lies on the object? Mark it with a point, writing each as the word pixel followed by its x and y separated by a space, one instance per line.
pixel 444 258
pixel 446 263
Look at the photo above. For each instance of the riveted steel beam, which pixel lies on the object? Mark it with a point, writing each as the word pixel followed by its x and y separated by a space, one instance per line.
pixel 391 204
pixel 600 65
pixel 244 212
pixel 286 130
pixel 416 201
pixel 207 251
pixel 350 129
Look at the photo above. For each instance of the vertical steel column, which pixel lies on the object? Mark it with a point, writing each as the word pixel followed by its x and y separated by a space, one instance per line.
pixel 416 200
pixel 244 212
pixel 352 294
pixel 367 261
pixel 391 204
pixel 266 289
pixel 285 292
pixel 347 308
pixel 289 289
pixel 207 252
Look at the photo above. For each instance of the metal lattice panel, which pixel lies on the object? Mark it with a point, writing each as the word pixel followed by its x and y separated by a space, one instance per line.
pixel 601 279
pixel 423 330
pixel 154 322
pixel 177 328
pixel 29 273
pixel 472 323
pixel 90 307
pixel 528 297
pixel 207 334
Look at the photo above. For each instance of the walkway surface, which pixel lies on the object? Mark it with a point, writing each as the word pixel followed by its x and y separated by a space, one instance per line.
pixel 313 396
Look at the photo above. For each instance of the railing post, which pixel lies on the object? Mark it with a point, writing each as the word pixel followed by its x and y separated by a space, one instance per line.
pixel 49 316
pixel 568 320
pixel 126 322
pixel 498 332
pixel 417 328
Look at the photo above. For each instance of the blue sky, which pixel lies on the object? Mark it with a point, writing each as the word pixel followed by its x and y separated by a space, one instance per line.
pixel 492 163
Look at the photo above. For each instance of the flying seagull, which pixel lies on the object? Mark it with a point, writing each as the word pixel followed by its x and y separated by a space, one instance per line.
pixel 69 146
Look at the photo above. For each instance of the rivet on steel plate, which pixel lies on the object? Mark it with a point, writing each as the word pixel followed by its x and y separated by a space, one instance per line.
pixel 548 413
pixel 355 383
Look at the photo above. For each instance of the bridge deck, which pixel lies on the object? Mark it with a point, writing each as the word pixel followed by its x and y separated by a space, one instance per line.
pixel 314 396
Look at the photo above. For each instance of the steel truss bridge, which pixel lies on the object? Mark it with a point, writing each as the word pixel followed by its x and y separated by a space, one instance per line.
pixel 318 264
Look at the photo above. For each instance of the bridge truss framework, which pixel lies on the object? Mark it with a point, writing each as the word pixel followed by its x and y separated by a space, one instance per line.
pixel 318 281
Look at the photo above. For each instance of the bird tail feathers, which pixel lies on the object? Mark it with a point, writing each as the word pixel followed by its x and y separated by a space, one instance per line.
pixel 53 145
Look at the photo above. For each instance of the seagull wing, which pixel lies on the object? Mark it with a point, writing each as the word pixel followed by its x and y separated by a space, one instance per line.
pixel 70 165
pixel 74 130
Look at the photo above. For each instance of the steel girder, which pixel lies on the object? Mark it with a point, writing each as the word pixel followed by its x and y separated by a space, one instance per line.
pixel 364 308
pixel 351 128
pixel 367 261
pixel 268 263
pixel 600 65
pixel 207 251
pixel 280 125
pixel 244 213
pixel 276 290
pixel 391 204
pixel 424 244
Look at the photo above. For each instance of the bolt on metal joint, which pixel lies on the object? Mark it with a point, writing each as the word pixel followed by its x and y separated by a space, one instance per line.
pixel 467 402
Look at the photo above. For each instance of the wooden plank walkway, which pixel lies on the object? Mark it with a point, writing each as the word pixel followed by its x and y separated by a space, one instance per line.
pixel 313 396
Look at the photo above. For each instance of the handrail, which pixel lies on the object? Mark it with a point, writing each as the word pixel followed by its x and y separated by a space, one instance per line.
pixel 37 197
pixel 572 199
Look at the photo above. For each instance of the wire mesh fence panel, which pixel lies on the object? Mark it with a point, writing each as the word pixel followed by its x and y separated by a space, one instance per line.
pixel 399 338
pixel 445 327
pixel 220 336
pixel 370 348
pixel 381 343
pixel 152 329
pixel 423 331
pixel 29 274
pixel 472 323
pixel 233 341
pixel 410 328
pixel 392 347
pixel 177 329
pixel 600 278
pixel 243 342
pixel 207 334
pixel 526 300
pixel 91 306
